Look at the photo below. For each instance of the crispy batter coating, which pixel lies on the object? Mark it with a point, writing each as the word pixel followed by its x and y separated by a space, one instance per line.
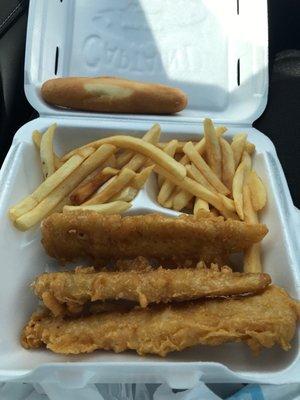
pixel 262 320
pixel 71 236
pixel 150 286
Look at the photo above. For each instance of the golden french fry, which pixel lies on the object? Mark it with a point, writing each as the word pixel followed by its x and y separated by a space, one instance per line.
pixel 127 194
pixel 181 199
pixel 49 184
pixel 180 144
pixel 111 162
pixel 46 151
pixel 237 189
pixel 36 138
pixel 200 163
pixel 195 188
pixel 120 181
pixel 169 149
pixel 250 148
pixel 238 146
pixel 155 128
pixel 228 164
pixel 165 191
pixel 168 187
pixel 252 259
pixel 194 173
pixel 134 162
pixel 31 218
pixel 201 208
pixel 228 203
pixel 257 190
pixel 141 178
pixel 150 151
pixel 124 158
pixel 115 207
pixel 83 192
pixel 59 207
pixel 249 212
pixel 169 203
pixel 200 146
pixel 212 147
pixel 247 160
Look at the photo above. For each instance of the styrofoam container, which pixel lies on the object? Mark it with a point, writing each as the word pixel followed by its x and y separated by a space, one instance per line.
pixel 216 52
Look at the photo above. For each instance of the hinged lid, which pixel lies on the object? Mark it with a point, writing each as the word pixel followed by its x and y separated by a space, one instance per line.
pixel 216 51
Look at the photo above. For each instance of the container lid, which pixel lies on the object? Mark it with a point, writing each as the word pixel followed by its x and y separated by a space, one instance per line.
pixel 216 51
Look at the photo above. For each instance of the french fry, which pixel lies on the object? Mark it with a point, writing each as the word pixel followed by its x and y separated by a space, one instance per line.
pixel 141 178
pixel 169 203
pixel 152 136
pixel 165 191
pixel 238 183
pixel 115 207
pixel 169 149
pixel 200 163
pixel 237 189
pixel 31 218
pixel 238 146
pixel 228 203
pixel 196 189
pixel 250 214
pixel 252 258
pixel 124 158
pixel 181 199
pixel 120 181
pixel 200 146
pixel 194 173
pixel 36 138
pixel 250 148
pixel 212 147
pixel 201 208
pixel 179 148
pixel 228 163
pixel 46 151
pixel 247 160
pixel 83 192
pixel 168 187
pixel 150 151
pixel 59 207
pixel 127 194
pixel 257 190
pixel 111 162
pixel 49 184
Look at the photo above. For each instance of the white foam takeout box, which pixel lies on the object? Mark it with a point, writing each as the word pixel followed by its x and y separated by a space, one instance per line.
pixel 218 53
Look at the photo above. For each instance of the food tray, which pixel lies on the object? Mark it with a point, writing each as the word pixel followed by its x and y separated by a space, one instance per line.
pixel 65 24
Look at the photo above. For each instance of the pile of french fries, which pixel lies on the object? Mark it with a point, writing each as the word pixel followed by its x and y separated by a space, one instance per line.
pixel 210 177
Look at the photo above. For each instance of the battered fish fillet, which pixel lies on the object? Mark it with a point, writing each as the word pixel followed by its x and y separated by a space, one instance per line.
pixel 151 286
pixel 262 320
pixel 72 236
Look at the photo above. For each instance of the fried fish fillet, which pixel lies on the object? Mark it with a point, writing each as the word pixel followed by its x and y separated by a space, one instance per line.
pixel 71 236
pixel 151 286
pixel 262 320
